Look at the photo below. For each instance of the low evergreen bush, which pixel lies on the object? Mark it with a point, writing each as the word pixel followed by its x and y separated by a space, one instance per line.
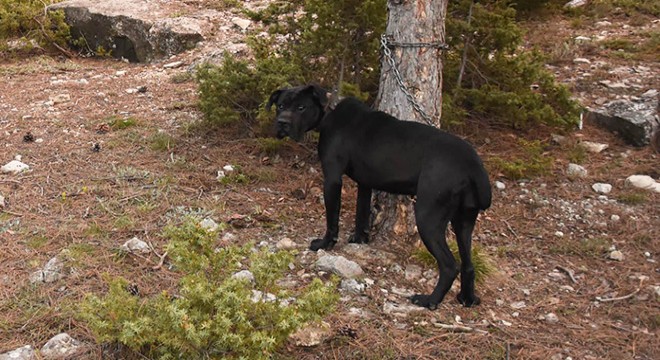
pixel 212 315
pixel 28 21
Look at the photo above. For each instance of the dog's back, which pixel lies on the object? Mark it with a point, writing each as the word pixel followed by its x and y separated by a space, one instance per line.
pixel 388 154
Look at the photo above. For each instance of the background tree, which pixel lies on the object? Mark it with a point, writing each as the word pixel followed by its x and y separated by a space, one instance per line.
pixel 416 31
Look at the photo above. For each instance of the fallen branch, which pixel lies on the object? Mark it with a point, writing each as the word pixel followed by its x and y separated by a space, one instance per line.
pixel 624 297
pixel 459 328
pixel 568 272
pixel 11 212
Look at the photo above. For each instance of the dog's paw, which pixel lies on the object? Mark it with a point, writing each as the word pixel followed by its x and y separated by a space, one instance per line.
pixel 424 301
pixel 319 244
pixel 468 301
pixel 357 239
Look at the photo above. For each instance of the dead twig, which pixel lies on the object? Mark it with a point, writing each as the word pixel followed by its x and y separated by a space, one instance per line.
pixel 510 228
pixel 569 272
pixel 11 212
pixel 624 297
pixel 459 328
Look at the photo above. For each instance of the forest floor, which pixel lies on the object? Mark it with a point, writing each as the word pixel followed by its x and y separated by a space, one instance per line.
pixel 111 163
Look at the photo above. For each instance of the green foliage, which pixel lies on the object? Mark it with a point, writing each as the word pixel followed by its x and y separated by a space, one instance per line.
pixel 213 315
pixel 500 83
pixel 27 20
pixel 483 265
pixel 533 162
pixel 117 123
pixel 162 141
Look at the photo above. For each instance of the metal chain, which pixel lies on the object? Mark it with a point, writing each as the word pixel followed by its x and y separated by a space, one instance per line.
pixel 386 44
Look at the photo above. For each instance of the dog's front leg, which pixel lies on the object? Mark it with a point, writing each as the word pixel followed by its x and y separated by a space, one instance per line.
pixel 362 212
pixel 332 199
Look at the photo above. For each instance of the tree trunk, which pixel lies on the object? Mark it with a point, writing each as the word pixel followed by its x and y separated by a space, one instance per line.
pixel 409 21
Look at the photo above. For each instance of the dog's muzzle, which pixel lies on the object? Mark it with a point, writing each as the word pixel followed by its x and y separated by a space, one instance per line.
pixel 283 128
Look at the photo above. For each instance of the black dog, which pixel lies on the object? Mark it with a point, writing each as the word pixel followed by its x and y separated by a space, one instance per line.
pixel 381 152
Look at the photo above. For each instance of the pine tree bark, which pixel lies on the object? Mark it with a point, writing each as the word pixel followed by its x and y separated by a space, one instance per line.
pixel 409 21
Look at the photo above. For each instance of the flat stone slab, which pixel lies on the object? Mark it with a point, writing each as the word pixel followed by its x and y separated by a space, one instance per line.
pixel 136 30
pixel 633 121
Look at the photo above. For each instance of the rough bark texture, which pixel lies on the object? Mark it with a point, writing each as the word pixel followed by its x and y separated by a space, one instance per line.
pixel 410 21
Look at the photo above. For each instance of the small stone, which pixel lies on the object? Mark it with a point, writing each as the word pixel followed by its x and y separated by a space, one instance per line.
pixel 647 254
pixel 413 272
pixel 615 255
pixel 60 98
pixel 14 167
pixel 221 175
pixel 209 224
pixel 551 318
pixel 406 293
pixel 603 23
pixel 23 353
pixel 135 245
pixel 401 310
pixel 499 302
pixel 53 270
pixel 244 275
pixel 643 182
pixel 260 296
pixel 593 147
pixel 500 185
pixel 228 168
pixel 575 170
pixel 602 188
pixel 60 346
pixel 582 39
pixel 120 73
pixel 286 244
pixel 339 265
pixel 581 61
pixel 559 234
pixel 650 94
pixel 575 3
pixel 312 335
pixel 518 305
pixel 244 24
pixel 351 286
pixel 615 217
pixel 559 139
pixel 173 65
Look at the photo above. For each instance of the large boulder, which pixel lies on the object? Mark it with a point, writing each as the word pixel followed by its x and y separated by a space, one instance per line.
pixel 633 121
pixel 136 30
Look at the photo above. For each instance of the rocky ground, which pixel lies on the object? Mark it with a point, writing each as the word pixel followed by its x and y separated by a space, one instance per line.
pixel 115 151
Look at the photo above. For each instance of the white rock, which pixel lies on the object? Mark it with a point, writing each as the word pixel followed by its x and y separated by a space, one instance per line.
pixel 120 73
pixel 602 188
pixel 228 168
pixel 60 98
pixel 559 234
pixel 401 310
pixel 603 23
pixel 581 39
pixel 500 185
pixel 221 175
pixel 244 274
pixel 575 170
pixel 286 244
pixel 615 255
pixel 209 224
pixel 173 65
pixel 643 182
pixel 650 94
pixel 60 346
pixel 244 24
pixel 518 305
pixel 14 167
pixel 581 61
pixel 23 353
pixel 352 286
pixel 593 147
pixel 551 318
pixel 51 272
pixel 258 296
pixel 135 245
pixel 615 217
pixel 575 3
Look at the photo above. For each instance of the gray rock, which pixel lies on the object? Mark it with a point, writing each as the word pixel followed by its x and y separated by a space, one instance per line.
pixel 352 286
pixel 135 245
pixel 258 296
pixel 23 353
pixel 632 121
pixel 14 167
pixel 551 318
pixel 339 265
pixel 500 185
pixel 209 224
pixel 244 24
pixel 312 334
pixel 55 269
pixel 575 170
pixel 60 346
pixel 139 31
pixel 366 253
pixel 173 65
pixel 603 23
pixel 286 244
pixel 244 274
pixel 581 61
pixel 643 182
pixel 602 188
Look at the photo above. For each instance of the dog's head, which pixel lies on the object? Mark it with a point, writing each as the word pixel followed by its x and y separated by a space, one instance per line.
pixel 299 109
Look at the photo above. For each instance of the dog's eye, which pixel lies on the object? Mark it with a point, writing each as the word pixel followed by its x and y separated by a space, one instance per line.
pixel 301 108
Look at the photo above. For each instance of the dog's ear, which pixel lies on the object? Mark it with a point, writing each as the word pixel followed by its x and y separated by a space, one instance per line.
pixel 273 98
pixel 320 94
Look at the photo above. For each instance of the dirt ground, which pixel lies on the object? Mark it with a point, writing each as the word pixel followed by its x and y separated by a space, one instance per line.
pixel 96 181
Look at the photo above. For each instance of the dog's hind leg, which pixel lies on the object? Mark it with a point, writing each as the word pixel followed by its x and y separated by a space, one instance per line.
pixel 432 217
pixel 362 213
pixel 463 224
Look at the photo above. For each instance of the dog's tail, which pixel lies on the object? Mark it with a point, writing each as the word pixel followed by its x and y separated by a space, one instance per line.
pixel 482 188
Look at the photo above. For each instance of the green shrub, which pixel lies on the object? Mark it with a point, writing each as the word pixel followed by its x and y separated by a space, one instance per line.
pixel 483 265
pixel 27 20
pixel 533 162
pixel 212 315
